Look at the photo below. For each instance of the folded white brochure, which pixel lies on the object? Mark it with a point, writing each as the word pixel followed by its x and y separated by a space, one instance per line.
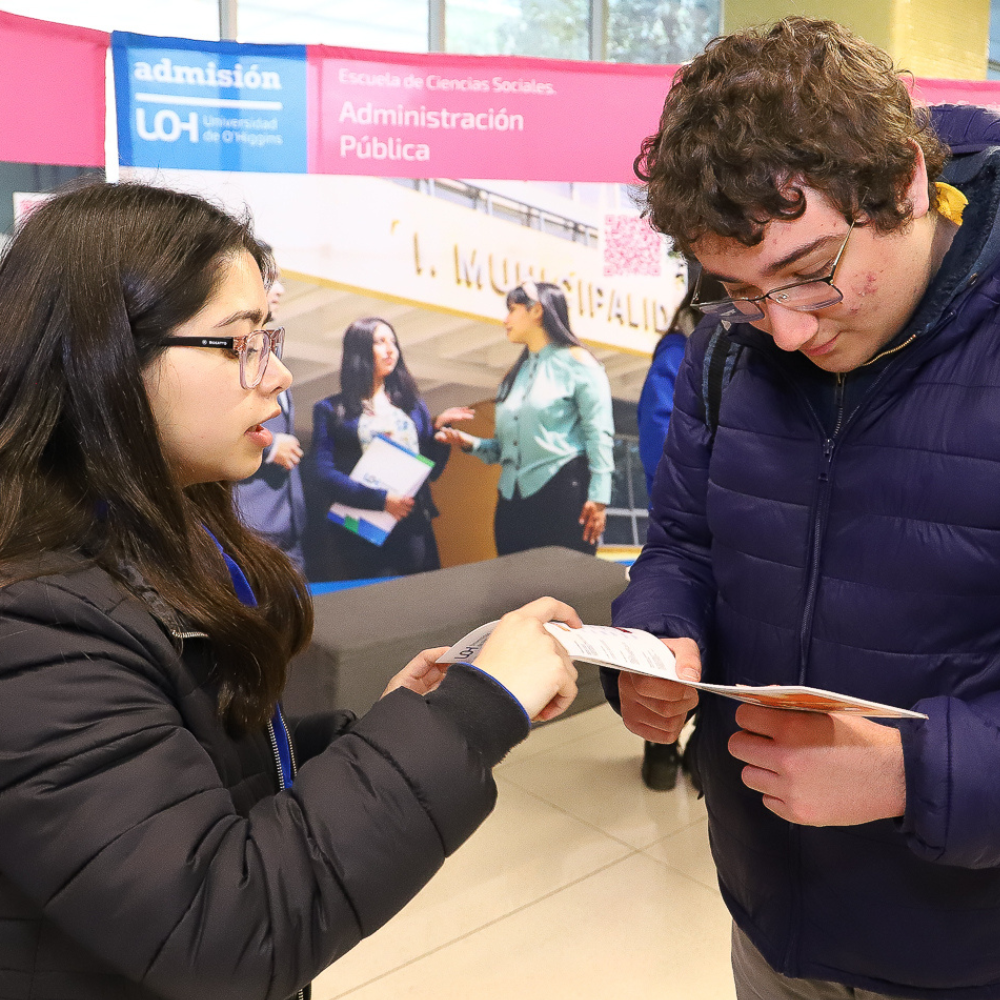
pixel 642 653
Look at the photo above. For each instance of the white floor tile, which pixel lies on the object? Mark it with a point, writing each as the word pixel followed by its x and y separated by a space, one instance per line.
pixel 526 850
pixel 687 851
pixel 635 930
pixel 562 731
pixel 583 884
pixel 596 778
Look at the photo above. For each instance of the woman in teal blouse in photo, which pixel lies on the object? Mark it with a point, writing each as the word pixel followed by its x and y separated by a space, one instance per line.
pixel 554 431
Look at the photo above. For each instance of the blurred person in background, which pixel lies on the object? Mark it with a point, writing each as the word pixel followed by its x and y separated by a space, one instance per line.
pixel 554 431
pixel 272 501
pixel 378 396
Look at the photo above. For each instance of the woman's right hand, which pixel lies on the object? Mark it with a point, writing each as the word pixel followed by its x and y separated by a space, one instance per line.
pixel 528 661
pixel 398 506
pixel 448 435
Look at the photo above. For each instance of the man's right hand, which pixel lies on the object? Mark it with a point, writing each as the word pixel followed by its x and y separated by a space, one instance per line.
pixel 654 708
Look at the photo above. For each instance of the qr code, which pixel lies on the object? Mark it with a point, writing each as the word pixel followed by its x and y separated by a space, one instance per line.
pixel 630 246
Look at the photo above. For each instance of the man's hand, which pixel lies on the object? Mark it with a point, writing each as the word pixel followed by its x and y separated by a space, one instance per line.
pixel 654 708
pixel 286 451
pixel 821 770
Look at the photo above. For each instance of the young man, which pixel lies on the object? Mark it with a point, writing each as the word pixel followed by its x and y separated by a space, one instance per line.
pixel 839 525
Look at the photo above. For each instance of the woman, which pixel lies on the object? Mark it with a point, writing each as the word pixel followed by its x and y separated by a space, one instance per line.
pixel 377 395
pixel 554 432
pixel 148 849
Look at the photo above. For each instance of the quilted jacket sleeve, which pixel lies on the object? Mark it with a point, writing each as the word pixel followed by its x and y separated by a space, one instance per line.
pixel 671 589
pixel 115 824
pixel 953 804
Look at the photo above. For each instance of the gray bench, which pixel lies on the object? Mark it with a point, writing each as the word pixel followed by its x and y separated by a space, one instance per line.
pixel 365 635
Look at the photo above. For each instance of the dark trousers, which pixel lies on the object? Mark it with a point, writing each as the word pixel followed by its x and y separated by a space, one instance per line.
pixel 410 548
pixel 549 517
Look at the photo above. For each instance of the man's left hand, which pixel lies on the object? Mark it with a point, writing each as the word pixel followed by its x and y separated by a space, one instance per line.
pixel 821 770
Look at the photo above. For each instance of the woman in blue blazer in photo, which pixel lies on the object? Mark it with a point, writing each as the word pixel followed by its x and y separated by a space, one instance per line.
pixel 377 395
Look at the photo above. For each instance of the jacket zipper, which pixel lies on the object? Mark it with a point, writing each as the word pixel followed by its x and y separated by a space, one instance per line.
pixel 819 523
pixel 301 995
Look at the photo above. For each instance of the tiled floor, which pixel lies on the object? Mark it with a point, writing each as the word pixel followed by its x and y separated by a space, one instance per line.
pixel 582 884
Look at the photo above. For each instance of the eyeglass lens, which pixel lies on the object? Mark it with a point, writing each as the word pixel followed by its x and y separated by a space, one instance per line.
pixel 254 357
pixel 814 295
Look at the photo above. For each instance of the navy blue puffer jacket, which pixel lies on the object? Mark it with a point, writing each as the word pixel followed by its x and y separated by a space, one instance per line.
pixel 847 535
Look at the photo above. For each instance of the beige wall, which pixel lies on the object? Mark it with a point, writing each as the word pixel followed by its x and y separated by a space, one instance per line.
pixel 930 38
pixel 466 496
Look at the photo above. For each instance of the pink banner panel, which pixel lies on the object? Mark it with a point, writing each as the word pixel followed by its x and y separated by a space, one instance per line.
pixel 985 92
pixel 52 86
pixel 396 114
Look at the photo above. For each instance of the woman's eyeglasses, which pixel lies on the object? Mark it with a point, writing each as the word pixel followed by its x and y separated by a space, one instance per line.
pixel 254 350
pixel 802 296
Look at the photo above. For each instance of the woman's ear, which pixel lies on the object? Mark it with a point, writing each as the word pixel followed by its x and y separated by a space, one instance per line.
pixel 536 312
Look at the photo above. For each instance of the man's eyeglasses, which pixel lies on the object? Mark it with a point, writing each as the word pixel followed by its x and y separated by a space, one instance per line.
pixel 803 296
pixel 254 350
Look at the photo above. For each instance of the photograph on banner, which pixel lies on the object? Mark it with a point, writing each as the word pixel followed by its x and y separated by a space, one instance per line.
pixel 431 188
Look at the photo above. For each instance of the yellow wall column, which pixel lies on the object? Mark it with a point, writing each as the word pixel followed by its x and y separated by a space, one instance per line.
pixel 930 38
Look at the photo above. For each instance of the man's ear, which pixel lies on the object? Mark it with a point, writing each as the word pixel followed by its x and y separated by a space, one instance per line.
pixel 917 192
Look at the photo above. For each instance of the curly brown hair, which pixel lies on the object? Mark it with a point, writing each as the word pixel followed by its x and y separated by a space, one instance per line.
pixel 803 100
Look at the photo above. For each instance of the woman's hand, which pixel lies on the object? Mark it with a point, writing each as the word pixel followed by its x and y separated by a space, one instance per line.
pixel 529 662
pixel 593 518
pixel 398 506
pixel 448 435
pixel 452 414
pixel 422 674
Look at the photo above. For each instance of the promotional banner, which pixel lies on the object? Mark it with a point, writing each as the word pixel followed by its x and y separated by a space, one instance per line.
pixel 52 89
pixel 210 105
pixel 402 115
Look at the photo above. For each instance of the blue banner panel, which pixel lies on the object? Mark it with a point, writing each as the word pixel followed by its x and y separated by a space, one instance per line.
pixel 197 105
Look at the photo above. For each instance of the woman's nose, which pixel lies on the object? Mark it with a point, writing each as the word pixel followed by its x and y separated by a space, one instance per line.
pixel 277 378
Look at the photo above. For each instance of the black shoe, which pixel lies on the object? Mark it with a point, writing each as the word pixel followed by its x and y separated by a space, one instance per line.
pixel 660 764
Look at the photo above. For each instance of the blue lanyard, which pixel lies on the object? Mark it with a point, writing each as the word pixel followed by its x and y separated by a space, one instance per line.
pixel 245 593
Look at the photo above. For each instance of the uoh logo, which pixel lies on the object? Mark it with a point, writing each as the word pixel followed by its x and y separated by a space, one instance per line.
pixel 167 126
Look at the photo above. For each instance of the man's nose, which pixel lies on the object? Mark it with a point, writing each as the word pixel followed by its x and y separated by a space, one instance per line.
pixel 790 328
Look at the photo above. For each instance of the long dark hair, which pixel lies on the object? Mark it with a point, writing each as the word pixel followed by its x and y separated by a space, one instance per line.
pixel 555 323
pixel 89 287
pixel 357 370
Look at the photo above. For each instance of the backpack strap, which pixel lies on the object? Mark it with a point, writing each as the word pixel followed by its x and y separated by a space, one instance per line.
pixel 720 360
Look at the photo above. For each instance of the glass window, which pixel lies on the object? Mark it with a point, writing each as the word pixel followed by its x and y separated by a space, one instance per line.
pixel 394 25
pixel 660 31
pixel 183 18
pixel 627 514
pixel 555 29
pixel 993 71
